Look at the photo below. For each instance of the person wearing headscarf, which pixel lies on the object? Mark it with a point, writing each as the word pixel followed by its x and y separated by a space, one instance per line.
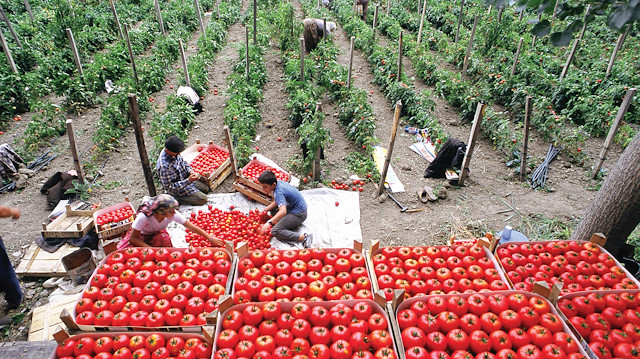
pixel 149 229
pixel 314 32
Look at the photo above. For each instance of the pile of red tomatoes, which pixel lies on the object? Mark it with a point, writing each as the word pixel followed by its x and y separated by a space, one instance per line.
pixel 115 216
pixel 209 161
pixel 234 226
pixel 253 170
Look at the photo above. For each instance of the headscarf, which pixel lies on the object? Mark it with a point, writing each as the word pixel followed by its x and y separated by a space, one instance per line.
pixel 160 204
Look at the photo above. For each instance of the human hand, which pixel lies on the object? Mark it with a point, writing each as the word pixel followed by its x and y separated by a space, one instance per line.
pixel 264 216
pixel 217 242
pixel 194 176
pixel 265 228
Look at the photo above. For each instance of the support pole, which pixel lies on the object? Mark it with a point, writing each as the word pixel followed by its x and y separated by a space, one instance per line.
pixel 584 21
pixel 424 10
pixel 459 20
pixel 617 48
pixel 399 57
pixel 555 10
pixel 159 14
pixel 469 47
pixel 13 32
pixel 515 58
pixel 246 37
pixel 569 59
pixel 500 10
pixel 475 130
pixel 375 21
pixel 521 15
pixel 301 59
pixel 255 22
pixel 324 32
pixel 28 7
pixel 612 131
pixel 117 19
pixel 76 57
pixel 489 10
pixel 316 171
pixel 7 52
pixel 183 57
pixel 71 8
pixel 388 7
pixel 387 160
pixel 218 9
pixel 232 155
pixel 74 151
pixel 525 139
pixel 130 50
pixel 142 150
pixel 350 63
pixel 197 5
pixel 533 41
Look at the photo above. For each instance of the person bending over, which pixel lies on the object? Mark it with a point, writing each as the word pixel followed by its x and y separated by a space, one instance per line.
pixel 176 175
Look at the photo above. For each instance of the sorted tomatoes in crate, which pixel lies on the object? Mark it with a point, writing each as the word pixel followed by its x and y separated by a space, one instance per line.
pixel 307 274
pixel 134 345
pixel 578 265
pixel 209 161
pixel 154 287
pixel 234 226
pixel 254 168
pixel 503 324
pixel 436 269
pixel 115 217
pixel 344 329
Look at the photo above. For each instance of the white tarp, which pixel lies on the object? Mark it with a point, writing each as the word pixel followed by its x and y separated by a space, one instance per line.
pixel 332 226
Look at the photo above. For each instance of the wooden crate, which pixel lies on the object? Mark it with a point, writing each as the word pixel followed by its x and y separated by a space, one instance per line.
pixel 220 174
pixel 70 224
pixel 252 190
pixel 117 230
pixel 40 263
pixel 45 318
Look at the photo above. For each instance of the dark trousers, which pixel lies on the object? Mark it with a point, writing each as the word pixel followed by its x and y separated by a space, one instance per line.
pixel 283 230
pixel 8 280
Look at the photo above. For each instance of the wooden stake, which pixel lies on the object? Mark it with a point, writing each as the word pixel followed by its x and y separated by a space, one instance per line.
pixel 159 14
pixel 515 58
pixel 489 10
pixel 28 7
pixel 255 22
pixel 184 63
pixel 324 33
pixel 388 7
pixel 617 48
pixel 500 9
pixel 521 15
pixel 569 59
pixel 469 47
pixel 584 20
pixel 74 151
pixel 350 63
pixel 355 7
pixel 399 57
pixel 475 130
pixel 533 41
pixel 375 22
pixel 130 50
pixel 387 160
pixel 525 139
pixel 7 52
pixel 301 59
pixel 13 32
pixel 459 20
pixel 612 131
pixel 555 10
pixel 246 37
pixel 316 171
pixel 76 57
pixel 218 8
pixel 424 10
pixel 142 149
pixel 195 3
pixel 115 16
pixel 232 155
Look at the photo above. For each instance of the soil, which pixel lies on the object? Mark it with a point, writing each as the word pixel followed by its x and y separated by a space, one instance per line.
pixel 491 198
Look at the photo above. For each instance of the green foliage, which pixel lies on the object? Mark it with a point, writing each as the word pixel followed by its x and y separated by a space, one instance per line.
pixel 177 120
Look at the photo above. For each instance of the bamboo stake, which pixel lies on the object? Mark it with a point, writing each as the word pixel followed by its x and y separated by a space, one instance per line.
pixel 195 3
pixel 469 47
pixel 13 32
pixel 159 14
pixel 569 59
pixel 584 20
pixel 515 58
pixel 255 22
pixel 387 160
pixel 399 57
pixel 301 59
pixel 424 10
pixel 7 52
pixel 187 79
pixel 115 16
pixel 525 139
pixel 142 149
pixel 28 7
pixel 246 36
pixel 475 130
pixel 350 63
pixel 74 151
pixel 459 20
pixel 617 48
pixel 612 131
pixel 130 50
pixel 76 57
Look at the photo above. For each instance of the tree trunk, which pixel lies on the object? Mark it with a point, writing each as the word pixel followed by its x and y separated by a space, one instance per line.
pixel 615 210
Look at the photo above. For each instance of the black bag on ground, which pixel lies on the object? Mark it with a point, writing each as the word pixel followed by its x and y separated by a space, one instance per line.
pixel 450 155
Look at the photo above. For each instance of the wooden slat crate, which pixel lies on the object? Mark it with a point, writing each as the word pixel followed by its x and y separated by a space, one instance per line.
pixel 45 318
pixel 70 224
pixel 220 174
pixel 252 190
pixel 40 263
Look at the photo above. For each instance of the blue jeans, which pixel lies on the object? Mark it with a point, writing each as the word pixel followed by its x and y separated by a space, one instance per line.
pixel 8 280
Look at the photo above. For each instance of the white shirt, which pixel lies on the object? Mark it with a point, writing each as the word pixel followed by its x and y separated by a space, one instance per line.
pixel 150 225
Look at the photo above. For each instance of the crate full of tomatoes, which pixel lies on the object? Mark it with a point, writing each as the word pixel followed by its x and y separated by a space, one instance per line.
pixel 233 225
pixel 138 345
pixel 309 274
pixel 608 322
pixel 502 324
pixel 436 269
pixel 114 220
pixel 211 161
pixel 171 288
pixel 351 329
pixel 579 265
pixel 254 168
